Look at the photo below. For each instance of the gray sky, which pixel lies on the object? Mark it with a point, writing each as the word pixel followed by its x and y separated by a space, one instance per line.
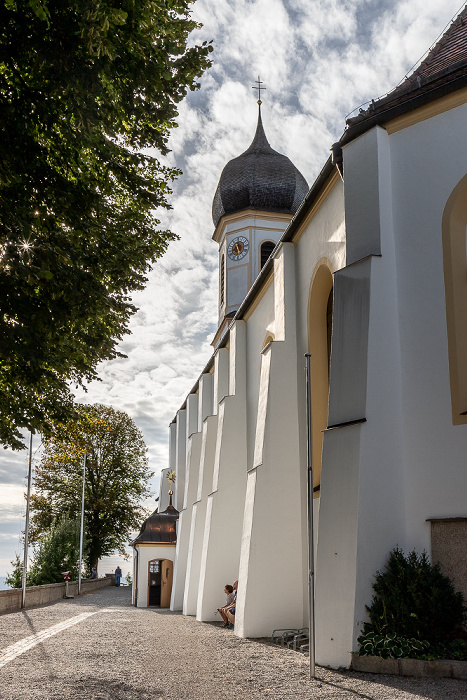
pixel 320 60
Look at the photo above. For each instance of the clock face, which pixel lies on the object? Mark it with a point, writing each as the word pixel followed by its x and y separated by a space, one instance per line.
pixel 238 248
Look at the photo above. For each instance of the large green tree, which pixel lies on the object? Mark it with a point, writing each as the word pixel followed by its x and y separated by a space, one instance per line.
pixel 86 88
pixel 116 480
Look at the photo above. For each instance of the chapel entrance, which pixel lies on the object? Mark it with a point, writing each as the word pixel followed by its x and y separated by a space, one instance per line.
pixel 160 583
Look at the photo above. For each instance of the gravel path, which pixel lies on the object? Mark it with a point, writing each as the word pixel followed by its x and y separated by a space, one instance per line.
pixel 118 652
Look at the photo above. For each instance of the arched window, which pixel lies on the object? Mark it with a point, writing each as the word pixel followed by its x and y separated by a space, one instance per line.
pixel 222 280
pixel 455 276
pixel 265 251
pixel 320 309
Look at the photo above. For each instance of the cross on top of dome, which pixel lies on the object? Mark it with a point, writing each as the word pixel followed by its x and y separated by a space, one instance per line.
pixel 259 88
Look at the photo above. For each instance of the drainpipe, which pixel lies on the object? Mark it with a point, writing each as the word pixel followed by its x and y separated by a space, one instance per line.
pixel 337 158
pixel 136 576
pixel 311 564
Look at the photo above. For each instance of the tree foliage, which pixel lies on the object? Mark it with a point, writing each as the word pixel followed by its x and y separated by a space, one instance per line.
pixel 15 579
pixel 115 483
pixel 86 88
pixel 56 552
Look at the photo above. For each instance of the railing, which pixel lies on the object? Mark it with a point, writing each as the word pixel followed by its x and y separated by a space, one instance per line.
pixel 295 639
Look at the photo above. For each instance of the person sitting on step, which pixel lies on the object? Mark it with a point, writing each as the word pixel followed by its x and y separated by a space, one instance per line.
pixel 229 591
pixel 230 611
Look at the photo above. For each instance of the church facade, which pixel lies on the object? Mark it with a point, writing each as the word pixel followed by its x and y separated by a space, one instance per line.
pixel 367 272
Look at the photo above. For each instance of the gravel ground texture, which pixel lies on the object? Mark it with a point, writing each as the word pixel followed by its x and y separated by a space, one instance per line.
pixel 103 648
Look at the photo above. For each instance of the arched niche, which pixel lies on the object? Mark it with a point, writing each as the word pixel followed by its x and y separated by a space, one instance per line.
pixel 319 346
pixel 454 228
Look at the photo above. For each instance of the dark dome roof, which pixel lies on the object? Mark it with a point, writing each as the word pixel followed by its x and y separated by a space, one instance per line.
pixel 261 178
pixel 159 528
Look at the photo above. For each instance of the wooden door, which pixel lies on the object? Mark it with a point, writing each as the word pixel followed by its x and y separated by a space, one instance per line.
pixel 154 582
pixel 166 582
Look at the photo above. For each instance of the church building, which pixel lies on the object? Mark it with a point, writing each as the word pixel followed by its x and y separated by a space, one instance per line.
pixel 367 272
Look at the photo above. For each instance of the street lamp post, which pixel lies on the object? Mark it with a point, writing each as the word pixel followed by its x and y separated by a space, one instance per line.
pixel 82 527
pixel 26 528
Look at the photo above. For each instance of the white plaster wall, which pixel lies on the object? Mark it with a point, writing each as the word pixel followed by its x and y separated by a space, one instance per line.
pixel 428 160
pixel 180 458
pixel 225 506
pixel 362 505
pixel 259 325
pixel 198 517
pixel 145 555
pixel 164 497
pixel 184 523
pixel 237 284
pixel 270 595
pixel 323 237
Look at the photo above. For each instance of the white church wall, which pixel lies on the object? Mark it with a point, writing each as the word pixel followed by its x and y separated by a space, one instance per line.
pixel 361 509
pixel 164 498
pixel 429 159
pixel 260 324
pixel 203 488
pixel 270 585
pixel 198 516
pixel 323 238
pixel 381 479
pixel 225 506
pixel 220 377
pixel 193 454
pixel 180 457
pixel 362 195
pixel 381 515
pixel 237 284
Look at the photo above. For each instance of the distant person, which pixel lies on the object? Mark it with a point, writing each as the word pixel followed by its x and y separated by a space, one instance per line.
pixel 93 572
pixel 118 575
pixel 229 591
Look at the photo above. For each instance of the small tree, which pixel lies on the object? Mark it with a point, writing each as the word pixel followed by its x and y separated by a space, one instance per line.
pixel 15 579
pixel 58 551
pixel 413 599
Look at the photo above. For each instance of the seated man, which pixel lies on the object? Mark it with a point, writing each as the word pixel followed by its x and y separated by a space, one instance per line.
pixel 228 589
pixel 230 611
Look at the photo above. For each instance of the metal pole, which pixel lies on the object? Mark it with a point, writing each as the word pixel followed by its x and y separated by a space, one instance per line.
pixel 311 566
pixel 26 529
pixel 82 527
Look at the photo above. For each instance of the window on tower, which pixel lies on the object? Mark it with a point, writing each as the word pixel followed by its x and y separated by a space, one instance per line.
pixel 265 251
pixel 222 279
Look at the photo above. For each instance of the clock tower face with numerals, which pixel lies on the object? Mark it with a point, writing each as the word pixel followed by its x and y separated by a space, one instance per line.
pixel 238 248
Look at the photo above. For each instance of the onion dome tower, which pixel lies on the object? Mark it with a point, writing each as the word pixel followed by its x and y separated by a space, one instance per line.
pixel 257 195
pixel 261 179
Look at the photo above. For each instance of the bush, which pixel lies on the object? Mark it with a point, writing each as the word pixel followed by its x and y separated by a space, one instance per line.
pixel 413 603
pixel 390 646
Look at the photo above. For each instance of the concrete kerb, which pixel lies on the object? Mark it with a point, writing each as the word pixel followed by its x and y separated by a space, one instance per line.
pixel 439 668
pixel 10 600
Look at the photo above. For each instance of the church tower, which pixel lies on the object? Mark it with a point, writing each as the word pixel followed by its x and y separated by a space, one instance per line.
pixel 257 195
